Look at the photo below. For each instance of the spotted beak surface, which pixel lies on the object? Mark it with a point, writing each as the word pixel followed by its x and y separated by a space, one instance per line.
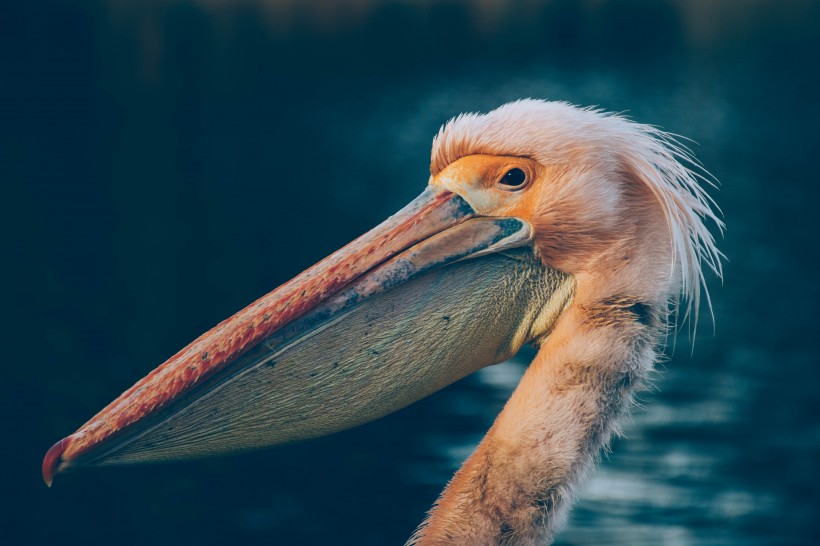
pixel 422 300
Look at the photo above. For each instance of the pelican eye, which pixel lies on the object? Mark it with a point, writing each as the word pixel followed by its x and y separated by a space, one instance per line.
pixel 514 179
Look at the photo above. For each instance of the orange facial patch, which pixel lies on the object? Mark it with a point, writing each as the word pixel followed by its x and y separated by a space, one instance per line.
pixel 479 180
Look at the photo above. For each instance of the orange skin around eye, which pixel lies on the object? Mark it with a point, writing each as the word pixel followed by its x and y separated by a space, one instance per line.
pixel 477 179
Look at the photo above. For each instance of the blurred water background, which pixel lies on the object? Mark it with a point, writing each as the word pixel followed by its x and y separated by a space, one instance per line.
pixel 165 163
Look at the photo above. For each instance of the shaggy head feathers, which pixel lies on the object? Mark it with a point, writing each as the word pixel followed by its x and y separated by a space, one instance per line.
pixel 557 134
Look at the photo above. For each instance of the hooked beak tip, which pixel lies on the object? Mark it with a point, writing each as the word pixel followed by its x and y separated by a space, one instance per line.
pixel 52 461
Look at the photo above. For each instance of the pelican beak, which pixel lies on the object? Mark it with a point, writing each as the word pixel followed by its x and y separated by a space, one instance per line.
pixel 427 297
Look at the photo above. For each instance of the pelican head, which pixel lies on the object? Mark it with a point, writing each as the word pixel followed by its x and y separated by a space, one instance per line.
pixel 570 229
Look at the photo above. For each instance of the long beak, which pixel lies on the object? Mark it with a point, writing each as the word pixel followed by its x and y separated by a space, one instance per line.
pixel 323 353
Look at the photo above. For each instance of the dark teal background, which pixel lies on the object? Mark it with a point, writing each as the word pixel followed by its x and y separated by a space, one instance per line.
pixel 162 164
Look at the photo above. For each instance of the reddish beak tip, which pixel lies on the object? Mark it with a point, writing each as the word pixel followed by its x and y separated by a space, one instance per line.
pixel 52 460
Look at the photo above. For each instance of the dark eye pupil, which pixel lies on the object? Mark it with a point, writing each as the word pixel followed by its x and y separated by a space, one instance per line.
pixel 514 177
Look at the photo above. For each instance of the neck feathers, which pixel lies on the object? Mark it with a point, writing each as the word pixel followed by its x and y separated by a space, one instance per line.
pixel 517 486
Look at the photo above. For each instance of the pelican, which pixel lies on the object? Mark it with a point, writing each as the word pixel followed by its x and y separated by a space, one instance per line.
pixel 577 231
